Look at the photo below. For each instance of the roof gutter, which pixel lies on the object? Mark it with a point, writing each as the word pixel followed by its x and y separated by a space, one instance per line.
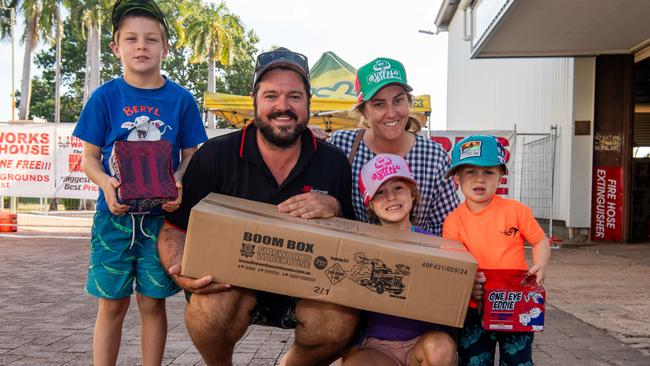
pixel 445 14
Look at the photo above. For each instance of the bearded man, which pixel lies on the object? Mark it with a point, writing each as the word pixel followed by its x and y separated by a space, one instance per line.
pixel 276 160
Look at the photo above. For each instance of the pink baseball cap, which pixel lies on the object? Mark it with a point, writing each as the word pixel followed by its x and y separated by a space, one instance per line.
pixel 380 169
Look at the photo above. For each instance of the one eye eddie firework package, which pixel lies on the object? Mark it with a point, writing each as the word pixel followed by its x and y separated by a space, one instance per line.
pixel 512 302
pixel 252 245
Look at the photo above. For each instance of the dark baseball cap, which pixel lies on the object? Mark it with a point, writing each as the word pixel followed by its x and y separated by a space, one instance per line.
pixel 123 7
pixel 281 57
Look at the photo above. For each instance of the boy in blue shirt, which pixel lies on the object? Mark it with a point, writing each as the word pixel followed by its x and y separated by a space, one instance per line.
pixel 141 105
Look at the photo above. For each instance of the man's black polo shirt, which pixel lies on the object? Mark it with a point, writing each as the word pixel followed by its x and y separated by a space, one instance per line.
pixel 232 164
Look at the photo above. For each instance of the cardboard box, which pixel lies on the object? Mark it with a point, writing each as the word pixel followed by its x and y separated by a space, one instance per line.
pixel 249 244
pixel 513 302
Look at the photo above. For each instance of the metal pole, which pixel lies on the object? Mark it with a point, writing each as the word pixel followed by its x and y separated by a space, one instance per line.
pixel 57 71
pixel 13 66
pixel 12 20
pixel 550 216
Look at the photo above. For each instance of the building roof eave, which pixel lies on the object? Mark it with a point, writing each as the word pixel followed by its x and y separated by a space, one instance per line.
pixel 445 14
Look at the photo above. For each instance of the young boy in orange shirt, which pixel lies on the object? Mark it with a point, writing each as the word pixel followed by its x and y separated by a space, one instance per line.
pixel 494 230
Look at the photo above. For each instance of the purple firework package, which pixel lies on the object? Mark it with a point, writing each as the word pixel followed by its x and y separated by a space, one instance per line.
pixel 144 169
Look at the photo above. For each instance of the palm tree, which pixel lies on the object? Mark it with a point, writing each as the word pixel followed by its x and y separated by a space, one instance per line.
pixel 7 31
pixel 209 31
pixel 39 17
pixel 89 15
pixel 53 21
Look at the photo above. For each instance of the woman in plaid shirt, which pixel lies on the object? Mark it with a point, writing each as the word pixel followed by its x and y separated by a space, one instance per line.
pixel 383 104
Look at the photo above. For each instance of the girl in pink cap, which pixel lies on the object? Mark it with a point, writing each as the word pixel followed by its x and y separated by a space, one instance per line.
pixel 390 193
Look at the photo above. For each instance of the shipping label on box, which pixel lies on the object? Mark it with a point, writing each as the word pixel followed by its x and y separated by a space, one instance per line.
pixel 513 302
pixel 249 244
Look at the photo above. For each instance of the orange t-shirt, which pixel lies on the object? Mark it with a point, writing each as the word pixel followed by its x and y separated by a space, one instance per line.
pixel 495 235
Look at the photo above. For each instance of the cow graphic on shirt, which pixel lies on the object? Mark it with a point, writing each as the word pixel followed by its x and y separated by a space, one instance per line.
pixel 144 129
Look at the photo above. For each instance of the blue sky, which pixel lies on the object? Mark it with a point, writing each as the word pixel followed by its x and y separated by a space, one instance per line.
pixel 357 31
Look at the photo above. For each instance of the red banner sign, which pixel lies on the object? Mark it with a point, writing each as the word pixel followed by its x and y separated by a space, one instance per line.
pixel 447 139
pixel 607 204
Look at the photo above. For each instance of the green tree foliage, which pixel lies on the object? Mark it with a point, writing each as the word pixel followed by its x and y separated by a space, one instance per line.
pixel 73 63
pixel 191 76
pixel 233 78
pixel 210 32
pixel 237 77
pixel 39 17
pixel 5 19
pixel 72 76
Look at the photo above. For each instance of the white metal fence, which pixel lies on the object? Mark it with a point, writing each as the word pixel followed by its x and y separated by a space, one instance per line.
pixel 534 170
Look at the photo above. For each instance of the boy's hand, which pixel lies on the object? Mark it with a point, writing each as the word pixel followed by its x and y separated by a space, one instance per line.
pixel 539 272
pixel 477 291
pixel 203 285
pixel 109 188
pixel 171 206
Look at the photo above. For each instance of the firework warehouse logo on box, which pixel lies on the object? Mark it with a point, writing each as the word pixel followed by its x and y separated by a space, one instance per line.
pixel 276 250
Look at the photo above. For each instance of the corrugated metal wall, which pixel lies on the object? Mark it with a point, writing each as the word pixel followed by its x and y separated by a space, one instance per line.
pixel 641 134
pixel 532 94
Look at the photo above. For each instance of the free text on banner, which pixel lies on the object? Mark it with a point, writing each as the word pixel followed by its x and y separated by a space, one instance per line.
pixel 42 160
pixel 26 159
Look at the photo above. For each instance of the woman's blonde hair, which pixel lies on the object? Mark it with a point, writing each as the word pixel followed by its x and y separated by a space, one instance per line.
pixel 415 193
pixel 359 112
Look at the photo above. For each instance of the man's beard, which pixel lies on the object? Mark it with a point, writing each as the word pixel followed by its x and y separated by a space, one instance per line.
pixel 282 136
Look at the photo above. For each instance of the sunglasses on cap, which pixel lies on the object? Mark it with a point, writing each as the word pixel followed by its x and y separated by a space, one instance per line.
pixel 281 57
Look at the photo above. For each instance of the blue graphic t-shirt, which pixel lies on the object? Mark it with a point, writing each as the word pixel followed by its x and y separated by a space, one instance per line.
pixel 117 111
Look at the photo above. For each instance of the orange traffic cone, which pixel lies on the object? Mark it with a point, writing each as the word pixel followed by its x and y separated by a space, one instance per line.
pixel 8 222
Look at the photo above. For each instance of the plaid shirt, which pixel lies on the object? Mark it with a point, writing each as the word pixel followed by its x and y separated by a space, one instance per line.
pixel 428 163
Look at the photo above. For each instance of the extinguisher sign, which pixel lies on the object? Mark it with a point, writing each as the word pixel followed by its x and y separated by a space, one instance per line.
pixel 607 204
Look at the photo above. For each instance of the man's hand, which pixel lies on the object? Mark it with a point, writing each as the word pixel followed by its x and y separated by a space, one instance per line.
pixel 479 280
pixel 311 205
pixel 203 285
pixel 109 188
pixel 171 206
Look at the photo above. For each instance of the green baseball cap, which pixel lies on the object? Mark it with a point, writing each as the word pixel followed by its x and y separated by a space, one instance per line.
pixel 376 74
pixel 123 7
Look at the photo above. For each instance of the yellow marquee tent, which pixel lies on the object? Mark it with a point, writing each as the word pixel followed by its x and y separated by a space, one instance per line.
pixel 333 97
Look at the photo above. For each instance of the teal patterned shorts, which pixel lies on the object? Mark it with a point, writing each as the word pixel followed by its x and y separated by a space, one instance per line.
pixel 118 257
pixel 477 346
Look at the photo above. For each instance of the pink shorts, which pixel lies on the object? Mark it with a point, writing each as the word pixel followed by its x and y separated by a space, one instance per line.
pixel 398 351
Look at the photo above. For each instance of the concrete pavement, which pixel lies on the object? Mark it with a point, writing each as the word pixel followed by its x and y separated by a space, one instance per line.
pixel 47 319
